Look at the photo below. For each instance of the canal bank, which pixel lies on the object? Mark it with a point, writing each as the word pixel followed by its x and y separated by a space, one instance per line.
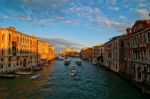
pixel 91 82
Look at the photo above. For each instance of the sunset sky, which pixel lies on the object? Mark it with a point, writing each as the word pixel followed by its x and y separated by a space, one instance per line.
pixel 73 23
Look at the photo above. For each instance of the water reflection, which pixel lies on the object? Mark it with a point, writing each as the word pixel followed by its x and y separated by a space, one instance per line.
pixel 91 82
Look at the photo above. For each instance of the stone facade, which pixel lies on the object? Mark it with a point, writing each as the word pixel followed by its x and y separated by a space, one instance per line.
pixel 51 54
pixel 43 51
pixel 98 53
pixel 137 51
pixel 17 50
pixel 114 54
pixel 86 53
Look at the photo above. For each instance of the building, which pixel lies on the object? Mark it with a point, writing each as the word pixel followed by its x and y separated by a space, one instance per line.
pixel 19 50
pixel 114 54
pixel 86 53
pixel 98 53
pixel 51 52
pixel 137 51
pixel 67 51
pixel 43 51
pixel 101 54
pixel 16 50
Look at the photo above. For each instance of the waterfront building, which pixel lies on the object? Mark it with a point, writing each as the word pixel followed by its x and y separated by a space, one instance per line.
pixel 16 50
pixel 51 52
pixel 114 54
pixel 137 51
pixel 86 53
pixel 43 51
pixel 19 50
pixel 98 53
pixel 67 51
pixel 95 52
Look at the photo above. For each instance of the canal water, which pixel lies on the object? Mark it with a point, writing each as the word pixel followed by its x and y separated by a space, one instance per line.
pixel 91 82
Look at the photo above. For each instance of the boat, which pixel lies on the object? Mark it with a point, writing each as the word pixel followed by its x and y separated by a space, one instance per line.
pixel 59 58
pixel 67 62
pixel 73 72
pixel 9 76
pixel 35 77
pixel 78 62
pixel 23 73
pixel 94 62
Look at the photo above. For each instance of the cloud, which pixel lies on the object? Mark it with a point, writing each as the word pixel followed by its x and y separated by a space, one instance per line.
pixel 89 13
pixel 33 10
pixel 142 5
pixel 112 4
pixel 143 13
pixel 122 17
pixel 106 22
pixel 61 44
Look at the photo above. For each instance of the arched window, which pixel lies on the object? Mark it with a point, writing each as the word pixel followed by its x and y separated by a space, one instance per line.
pixel 2 36
pixel 9 37
pixel 148 36
pixel 17 39
pixel 2 51
pixel 9 50
pixel 1 66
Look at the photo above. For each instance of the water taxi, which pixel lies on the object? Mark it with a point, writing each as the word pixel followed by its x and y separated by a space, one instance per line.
pixel 67 62
pixel 73 72
pixel 34 77
pixel 78 62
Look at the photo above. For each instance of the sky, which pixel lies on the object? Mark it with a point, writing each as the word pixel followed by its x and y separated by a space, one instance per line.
pixel 73 23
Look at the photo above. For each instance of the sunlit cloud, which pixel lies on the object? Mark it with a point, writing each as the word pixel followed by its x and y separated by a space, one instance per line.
pixel 73 12
pixel 60 44
pixel 144 13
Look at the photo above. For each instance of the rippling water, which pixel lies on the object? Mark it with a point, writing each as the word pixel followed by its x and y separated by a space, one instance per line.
pixel 91 82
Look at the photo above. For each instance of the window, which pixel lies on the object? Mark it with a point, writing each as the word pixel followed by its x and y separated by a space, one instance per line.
pixel 2 36
pixel 9 65
pixel 1 66
pixel 2 51
pixel 149 56
pixel 135 29
pixel 2 59
pixel 140 27
pixel 122 44
pixel 9 59
pixel 144 38
pixel 9 37
pixel 9 51
pixel 149 37
pixel 17 39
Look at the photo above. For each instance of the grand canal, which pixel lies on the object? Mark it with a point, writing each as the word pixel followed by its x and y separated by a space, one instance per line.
pixel 91 82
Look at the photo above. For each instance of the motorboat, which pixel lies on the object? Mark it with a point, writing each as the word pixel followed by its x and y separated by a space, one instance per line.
pixel 78 62
pixel 73 72
pixel 67 62
pixel 94 62
pixel 60 58
pixel 23 73
pixel 35 77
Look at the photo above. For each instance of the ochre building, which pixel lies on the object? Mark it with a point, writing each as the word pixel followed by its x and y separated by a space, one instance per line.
pixel 18 50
